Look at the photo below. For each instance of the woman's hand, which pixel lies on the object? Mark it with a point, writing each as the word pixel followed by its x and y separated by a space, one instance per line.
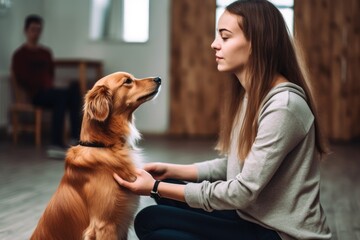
pixel 158 170
pixel 141 186
pixel 144 184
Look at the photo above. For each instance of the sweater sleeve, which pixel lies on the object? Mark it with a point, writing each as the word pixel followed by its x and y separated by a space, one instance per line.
pixel 34 70
pixel 212 170
pixel 49 69
pixel 279 132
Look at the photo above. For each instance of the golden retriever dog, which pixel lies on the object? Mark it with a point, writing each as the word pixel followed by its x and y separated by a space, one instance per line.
pixel 88 203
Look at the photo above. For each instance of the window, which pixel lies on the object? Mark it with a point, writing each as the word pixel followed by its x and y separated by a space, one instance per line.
pixel 126 20
pixel 136 20
pixel 286 8
pixel 98 14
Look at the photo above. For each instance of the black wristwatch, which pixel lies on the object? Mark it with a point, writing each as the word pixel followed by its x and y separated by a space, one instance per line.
pixel 154 192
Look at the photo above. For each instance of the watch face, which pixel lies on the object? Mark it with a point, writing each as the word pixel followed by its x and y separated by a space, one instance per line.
pixel 154 195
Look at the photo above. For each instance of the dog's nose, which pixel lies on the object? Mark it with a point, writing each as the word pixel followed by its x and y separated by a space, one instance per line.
pixel 157 80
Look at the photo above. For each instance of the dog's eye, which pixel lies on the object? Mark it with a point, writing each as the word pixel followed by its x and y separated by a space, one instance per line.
pixel 128 81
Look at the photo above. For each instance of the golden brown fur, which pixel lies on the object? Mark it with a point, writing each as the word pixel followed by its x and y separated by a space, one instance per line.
pixel 88 203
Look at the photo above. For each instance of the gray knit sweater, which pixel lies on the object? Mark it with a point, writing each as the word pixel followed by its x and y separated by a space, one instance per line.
pixel 277 186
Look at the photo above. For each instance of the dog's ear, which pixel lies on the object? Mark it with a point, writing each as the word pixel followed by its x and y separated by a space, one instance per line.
pixel 98 103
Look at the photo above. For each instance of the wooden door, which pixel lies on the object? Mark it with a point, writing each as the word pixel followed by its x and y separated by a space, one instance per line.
pixel 329 32
pixel 196 85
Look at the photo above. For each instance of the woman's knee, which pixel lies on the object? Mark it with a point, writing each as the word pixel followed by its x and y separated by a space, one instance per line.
pixel 144 220
pixel 170 234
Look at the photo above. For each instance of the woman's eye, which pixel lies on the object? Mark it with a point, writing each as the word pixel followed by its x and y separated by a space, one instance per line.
pixel 128 81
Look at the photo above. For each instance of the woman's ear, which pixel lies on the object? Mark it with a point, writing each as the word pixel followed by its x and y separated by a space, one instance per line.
pixel 98 103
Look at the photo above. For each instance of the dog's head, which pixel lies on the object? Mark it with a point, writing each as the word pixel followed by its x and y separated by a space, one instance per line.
pixel 109 107
pixel 119 93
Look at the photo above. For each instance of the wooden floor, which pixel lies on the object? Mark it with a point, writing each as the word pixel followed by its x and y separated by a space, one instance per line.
pixel 28 179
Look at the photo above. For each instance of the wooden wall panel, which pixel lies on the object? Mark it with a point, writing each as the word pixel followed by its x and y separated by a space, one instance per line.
pixel 328 31
pixel 196 85
pixel 353 64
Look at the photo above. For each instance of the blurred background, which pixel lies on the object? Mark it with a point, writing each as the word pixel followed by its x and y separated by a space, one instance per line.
pixel 171 39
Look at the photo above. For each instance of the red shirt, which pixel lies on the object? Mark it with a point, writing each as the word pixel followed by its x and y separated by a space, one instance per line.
pixel 33 69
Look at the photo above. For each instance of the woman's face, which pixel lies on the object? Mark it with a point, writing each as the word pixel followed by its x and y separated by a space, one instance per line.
pixel 232 49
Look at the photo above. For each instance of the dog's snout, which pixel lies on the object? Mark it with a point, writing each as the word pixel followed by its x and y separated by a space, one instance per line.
pixel 157 80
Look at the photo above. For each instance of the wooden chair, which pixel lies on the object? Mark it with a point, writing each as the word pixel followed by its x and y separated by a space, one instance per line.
pixel 22 105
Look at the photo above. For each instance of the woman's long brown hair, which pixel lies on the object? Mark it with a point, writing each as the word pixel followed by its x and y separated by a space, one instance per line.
pixel 272 52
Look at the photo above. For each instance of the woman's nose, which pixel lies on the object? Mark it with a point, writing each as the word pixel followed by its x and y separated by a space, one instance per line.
pixel 215 44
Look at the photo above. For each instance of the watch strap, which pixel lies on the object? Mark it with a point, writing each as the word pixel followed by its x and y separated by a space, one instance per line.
pixel 156 185
pixel 154 192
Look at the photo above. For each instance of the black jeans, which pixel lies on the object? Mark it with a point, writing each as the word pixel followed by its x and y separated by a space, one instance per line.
pixel 59 101
pixel 172 220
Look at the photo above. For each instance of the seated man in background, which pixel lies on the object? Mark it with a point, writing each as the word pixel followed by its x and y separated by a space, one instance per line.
pixel 33 67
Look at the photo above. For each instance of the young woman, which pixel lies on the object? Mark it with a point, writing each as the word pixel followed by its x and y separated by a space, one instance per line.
pixel 267 184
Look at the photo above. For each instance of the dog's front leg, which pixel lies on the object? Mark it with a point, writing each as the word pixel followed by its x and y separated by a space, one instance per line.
pixel 100 230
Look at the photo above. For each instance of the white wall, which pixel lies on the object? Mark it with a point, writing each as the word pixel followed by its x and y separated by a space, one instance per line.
pixel 66 32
